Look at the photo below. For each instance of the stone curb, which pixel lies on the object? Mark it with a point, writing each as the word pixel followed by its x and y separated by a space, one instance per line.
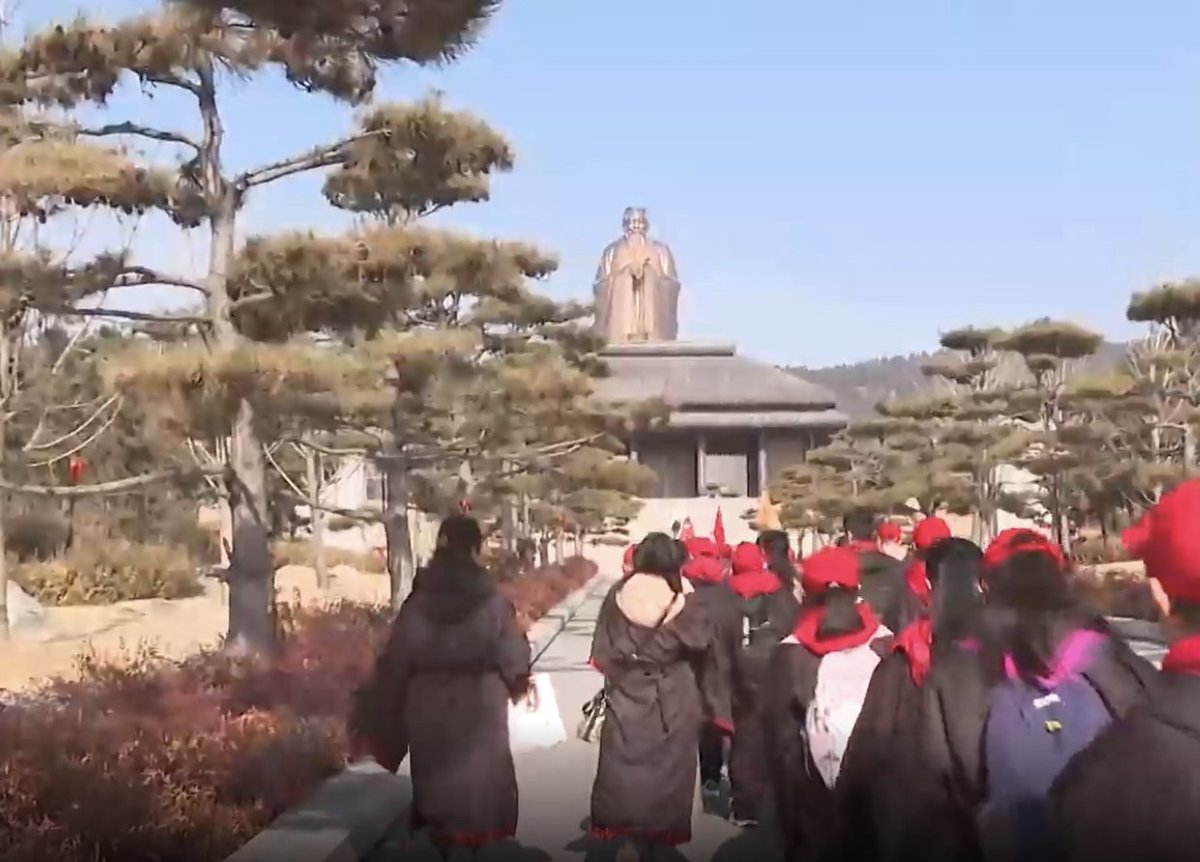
pixel 344 820
pixel 551 624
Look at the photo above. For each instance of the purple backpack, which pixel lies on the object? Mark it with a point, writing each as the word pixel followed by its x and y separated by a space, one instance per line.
pixel 1032 731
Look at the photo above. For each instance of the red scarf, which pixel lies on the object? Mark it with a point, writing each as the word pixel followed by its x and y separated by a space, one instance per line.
pixel 918 582
pixel 748 585
pixel 810 623
pixel 916 642
pixel 1184 656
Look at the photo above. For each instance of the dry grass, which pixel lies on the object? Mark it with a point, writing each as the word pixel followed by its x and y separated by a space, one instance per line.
pixel 301 553
pixel 110 570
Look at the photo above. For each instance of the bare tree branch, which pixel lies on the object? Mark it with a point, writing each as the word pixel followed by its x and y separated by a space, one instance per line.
pixel 321 157
pixel 117 486
pixel 283 473
pixel 83 444
pixel 31 446
pixel 127 315
pixel 369 516
pixel 137 276
pixel 252 299
pixel 139 130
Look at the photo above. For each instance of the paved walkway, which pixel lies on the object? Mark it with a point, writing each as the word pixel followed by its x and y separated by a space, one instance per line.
pixel 556 783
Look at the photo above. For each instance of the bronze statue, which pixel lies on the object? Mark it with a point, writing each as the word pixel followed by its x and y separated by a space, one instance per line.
pixel 637 288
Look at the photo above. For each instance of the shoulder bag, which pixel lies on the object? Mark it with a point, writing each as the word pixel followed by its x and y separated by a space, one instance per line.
pixel 596 709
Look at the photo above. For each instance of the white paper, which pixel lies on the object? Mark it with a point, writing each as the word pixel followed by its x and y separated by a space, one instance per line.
pixel 529 728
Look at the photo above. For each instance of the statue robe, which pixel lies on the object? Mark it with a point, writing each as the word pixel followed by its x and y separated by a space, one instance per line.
pixel 618 316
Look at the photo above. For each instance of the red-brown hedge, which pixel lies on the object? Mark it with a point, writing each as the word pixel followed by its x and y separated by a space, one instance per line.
pixel 145 760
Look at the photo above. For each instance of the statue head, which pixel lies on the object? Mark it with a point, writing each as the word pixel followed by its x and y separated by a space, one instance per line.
pixel 635 221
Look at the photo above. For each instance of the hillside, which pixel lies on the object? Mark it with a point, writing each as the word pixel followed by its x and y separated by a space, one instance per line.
pixel 862 385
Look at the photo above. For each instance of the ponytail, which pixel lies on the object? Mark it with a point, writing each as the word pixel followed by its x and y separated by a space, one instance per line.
pixel 776 547
pixel 839 613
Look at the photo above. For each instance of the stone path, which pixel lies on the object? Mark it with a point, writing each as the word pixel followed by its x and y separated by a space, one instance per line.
pixel 556 783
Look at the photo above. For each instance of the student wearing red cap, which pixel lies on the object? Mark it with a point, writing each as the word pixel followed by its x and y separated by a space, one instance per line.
pixel 882 577
pixel 652 633
pixel 927 533
pixel 704 569
pixel 813 693
pixel 897 803
pixel 1135 792
pixel 767 609
pixel 1059 678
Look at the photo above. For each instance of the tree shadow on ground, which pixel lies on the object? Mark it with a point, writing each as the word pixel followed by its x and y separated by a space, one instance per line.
pixel 760 844
pixel 605 850
pixel 418 848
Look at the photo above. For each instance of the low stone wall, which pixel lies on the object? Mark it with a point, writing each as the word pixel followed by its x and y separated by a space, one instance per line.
pixel 344 821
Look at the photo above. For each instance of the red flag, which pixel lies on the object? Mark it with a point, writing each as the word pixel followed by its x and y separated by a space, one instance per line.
pixel 75 468
pixel 686 533
pixel 719 528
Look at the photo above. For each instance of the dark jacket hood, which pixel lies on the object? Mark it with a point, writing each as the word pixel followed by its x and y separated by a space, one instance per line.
pixel 449 591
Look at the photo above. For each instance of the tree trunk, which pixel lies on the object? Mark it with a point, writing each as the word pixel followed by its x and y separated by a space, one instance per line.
pixel 251 569
pixel 560 545
pixel 316 518
pixel 401 569
pixel 3 537
pixel 251 575
pixel 508 524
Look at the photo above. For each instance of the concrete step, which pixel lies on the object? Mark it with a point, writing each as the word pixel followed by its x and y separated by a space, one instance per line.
pixel 659 513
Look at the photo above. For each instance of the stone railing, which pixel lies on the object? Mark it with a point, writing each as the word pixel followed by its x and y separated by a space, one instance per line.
pixel 351 817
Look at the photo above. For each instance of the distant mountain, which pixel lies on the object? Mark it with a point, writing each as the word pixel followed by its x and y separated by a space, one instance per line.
pixel 859 387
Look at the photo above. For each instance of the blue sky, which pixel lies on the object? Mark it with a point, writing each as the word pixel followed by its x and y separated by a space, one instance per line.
pixel 837 180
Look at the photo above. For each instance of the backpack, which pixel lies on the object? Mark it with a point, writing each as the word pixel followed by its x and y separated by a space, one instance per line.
pixel 1032 732
pixel 756 621
pixel 842 681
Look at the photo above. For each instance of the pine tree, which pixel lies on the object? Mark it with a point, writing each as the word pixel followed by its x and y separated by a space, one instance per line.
pixel 1048 348
pixel 198 47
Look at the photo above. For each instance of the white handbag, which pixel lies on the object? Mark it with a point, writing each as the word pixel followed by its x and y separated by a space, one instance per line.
pixel 536 725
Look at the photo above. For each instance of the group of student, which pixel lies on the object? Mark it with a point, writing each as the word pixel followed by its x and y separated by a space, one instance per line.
pixel 958 704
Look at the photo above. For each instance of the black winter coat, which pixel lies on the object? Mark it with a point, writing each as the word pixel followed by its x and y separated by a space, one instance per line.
pixel 808 811
pixel 914 777
pixel 748 774
pixel 1134 793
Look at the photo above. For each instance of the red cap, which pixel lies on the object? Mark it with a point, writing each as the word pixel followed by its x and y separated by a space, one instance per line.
pixel 1018 540
pixel 928 532
pixel 702 547
pixel 889 531
pixel 1172 548
pixel 832 566
pixel 1136 535
pixel 748 557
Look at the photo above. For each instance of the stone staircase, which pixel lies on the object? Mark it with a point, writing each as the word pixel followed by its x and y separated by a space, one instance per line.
pixel 660 513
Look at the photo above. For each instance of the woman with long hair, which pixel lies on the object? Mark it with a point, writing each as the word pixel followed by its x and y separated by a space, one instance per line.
pixel 813 692
pixel 656 646
pixel 776 546
pixel 704 570
pixel 896 803
pixel 1134 793
pixel 455 641
pixel 1061 679
pixel 767 611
